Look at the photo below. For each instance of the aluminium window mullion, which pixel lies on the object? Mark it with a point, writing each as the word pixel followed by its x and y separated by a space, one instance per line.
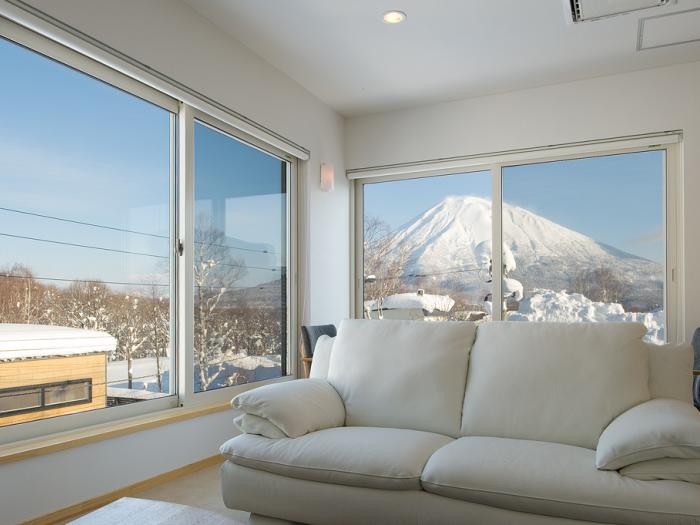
pixel 497 243
pixel 185 255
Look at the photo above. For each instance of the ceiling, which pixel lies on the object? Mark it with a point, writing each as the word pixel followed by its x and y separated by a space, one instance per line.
pixel 341 51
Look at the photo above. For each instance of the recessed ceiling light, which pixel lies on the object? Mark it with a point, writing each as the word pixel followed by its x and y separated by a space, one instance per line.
pixel 394 17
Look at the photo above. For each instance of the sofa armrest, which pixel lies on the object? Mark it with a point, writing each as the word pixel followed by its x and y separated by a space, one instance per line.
pixel 295 407
pixel 660 428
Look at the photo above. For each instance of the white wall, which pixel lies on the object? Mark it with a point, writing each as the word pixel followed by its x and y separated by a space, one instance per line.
pixel 641 102
pixel 174 39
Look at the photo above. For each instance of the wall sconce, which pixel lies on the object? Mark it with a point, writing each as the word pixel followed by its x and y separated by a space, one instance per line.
pixel 326 177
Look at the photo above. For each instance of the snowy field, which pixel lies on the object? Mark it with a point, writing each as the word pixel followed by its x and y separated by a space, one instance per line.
pixel 144 371
pixel 548 305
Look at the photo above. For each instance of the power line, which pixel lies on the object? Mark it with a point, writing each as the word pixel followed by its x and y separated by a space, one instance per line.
pixel 96 281
pixel 430 274
pixel 122 283
pixel 125 230
pixel 82 223
pixel 276 269
pixel 62 243
pixel 114 250
pixel 271 252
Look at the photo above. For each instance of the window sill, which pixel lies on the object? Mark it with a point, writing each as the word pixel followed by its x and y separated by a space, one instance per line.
pixel 75 438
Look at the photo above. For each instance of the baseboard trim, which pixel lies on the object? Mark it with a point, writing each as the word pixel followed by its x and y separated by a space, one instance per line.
pixel 91 504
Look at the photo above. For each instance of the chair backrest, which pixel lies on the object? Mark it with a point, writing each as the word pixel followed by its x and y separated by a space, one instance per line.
pixel 311 335
pixel 696 366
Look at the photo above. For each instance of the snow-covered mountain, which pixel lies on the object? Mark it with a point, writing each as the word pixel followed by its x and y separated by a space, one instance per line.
pixel 446 243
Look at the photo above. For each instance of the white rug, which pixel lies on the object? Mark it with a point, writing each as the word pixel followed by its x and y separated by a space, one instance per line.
pixel 134 511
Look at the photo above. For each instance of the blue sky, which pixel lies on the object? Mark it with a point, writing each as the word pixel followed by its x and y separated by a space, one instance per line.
pixel 76 148
pixel 615 199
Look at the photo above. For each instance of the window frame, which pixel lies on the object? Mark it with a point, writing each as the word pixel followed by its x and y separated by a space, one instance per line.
pixel 186 188
pixel 669 143
pixel 55 44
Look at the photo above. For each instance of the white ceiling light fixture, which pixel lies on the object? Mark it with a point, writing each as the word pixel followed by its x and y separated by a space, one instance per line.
pixel 394 17
pixel 585 10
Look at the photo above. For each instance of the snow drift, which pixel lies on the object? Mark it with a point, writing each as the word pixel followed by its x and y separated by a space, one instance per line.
pixel 548 305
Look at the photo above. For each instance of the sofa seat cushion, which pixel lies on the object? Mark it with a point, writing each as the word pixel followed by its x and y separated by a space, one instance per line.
pixel 383 458
pixel 554 480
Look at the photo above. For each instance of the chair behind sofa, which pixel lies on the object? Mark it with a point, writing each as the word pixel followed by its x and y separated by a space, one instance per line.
pixel 310 335
pixel 696 368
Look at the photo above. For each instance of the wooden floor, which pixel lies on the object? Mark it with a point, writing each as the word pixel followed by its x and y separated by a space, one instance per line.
pixel 198 489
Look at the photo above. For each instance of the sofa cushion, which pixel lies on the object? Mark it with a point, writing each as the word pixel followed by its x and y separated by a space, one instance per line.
pixel 322 357
pixel 558 382
pixel 402 374
pixel 665 468
pixel 250 424
pixel 384 458
pixel 554 480
pixel 295 407
pixel 670 372
pixel 659 428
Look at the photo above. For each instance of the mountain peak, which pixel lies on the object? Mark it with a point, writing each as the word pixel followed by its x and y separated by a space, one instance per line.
pixel 446 242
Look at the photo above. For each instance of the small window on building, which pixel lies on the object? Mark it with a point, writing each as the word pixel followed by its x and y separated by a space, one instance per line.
pixel 44 397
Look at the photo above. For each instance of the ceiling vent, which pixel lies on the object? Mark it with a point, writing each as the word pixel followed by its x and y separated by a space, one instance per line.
pixel 586 10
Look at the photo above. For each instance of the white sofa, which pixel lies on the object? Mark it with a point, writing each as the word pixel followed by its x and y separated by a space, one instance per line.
pixel 505 423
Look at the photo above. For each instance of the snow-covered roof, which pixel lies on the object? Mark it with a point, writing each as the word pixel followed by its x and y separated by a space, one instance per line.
pixel 425 302
pixel 27 341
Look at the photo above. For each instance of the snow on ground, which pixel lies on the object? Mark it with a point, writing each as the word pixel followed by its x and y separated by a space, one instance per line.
pixel 548 305
pixel 427 302
pixel 144 370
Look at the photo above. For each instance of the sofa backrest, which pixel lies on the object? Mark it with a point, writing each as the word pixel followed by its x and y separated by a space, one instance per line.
pixel 402 374
pixel 557 382
pixel 671 372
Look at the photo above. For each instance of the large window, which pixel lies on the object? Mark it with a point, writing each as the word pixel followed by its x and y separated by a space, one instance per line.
pixel 426 248
pixel 113 201
pixel 86 177
pixel 240 262
pixel 583 239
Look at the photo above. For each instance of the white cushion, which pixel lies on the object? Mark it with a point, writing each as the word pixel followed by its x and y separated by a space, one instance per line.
pixel 250 424
pixel 322 357
pixel 554 480
pixel 295 407
pixel 385 458
pixel 660 428
pixel 402 374
pixel 671 372
pixel 665 468
pixel 558 382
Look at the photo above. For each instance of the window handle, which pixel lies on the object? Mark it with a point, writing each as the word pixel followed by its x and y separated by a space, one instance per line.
pixel 179 247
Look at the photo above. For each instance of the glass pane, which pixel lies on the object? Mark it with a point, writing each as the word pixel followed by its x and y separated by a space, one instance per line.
pixel 584 240
pixel 16 400
pixel 240 262
pixel 85 173
pixel 66 393
pixel 427 248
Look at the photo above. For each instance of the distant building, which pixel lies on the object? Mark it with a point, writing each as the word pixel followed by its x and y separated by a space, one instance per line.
pixel 47 371
pixel 413 306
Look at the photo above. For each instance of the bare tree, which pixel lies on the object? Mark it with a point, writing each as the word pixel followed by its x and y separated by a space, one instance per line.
pixel 600 284
pixel 384 261
pixel 22 298
pixel 85 304
pixel 158 326
pixel 129 332
pixel 216 271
